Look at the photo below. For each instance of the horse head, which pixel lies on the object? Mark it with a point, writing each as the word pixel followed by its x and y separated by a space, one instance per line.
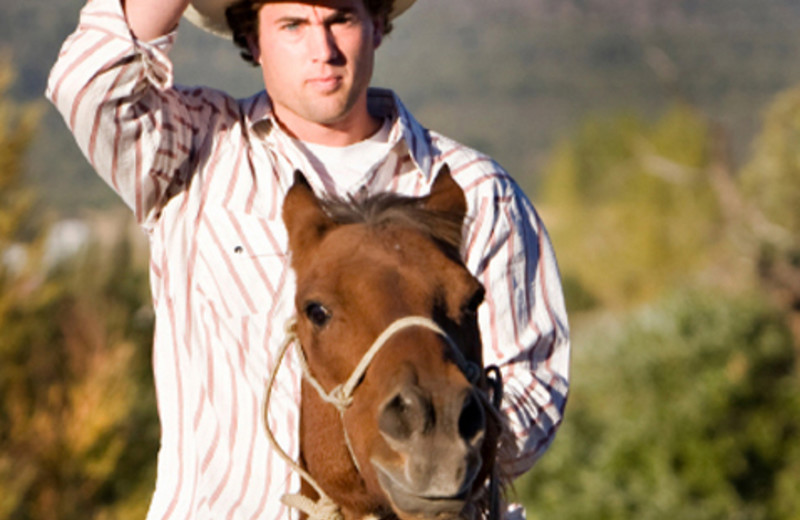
pixel 417 437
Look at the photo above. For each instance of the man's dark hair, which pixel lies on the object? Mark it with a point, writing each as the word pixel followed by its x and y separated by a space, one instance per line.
pixel 242 18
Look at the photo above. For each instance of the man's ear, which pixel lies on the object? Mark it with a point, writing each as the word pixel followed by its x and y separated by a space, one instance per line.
pixel 377 32
pixel 255 50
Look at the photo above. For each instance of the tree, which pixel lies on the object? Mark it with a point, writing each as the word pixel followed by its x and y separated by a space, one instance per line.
pixel 771 186
pixel 632 209
pixel 17 125
pixel 690 409
pixel 78 431
pixel 689 406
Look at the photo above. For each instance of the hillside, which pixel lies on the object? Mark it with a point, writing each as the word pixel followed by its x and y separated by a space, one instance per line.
pixel 508 77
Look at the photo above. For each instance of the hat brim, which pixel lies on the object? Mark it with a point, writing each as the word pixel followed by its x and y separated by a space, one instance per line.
pixel 209 15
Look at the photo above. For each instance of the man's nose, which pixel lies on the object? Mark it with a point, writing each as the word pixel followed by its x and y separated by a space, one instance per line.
pixel 322 44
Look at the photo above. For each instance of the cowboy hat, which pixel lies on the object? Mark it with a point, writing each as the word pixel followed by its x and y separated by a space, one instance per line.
pixel 210 14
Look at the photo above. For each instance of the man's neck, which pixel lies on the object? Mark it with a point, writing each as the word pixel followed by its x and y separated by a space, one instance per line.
pixel 350 130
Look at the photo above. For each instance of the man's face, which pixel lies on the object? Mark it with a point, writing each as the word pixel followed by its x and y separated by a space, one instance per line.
pixel 317 59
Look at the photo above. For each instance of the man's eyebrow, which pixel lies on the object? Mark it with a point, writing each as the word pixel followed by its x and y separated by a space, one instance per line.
pixel 290 19
pixel 340 12
pixel 347 9
pixel 336 14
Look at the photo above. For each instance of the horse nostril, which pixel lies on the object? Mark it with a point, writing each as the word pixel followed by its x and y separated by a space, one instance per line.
pixel 472 420
pixel 397 417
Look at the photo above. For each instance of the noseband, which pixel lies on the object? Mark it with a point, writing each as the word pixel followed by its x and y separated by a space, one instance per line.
pixel 341 397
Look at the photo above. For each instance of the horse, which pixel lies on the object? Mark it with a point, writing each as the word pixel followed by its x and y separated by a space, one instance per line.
pixel 396 416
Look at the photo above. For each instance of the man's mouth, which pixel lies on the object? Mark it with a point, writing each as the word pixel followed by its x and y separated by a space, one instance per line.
pixel 326 84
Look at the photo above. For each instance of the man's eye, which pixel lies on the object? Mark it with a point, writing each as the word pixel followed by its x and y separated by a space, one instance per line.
pixel 290 26
pixel 343 18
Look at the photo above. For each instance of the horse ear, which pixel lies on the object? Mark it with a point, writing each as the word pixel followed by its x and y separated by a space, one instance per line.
pixel 305 220
pixel 446 195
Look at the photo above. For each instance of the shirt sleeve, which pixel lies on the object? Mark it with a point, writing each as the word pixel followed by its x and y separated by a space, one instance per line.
pixel 523 319
pixel 116 95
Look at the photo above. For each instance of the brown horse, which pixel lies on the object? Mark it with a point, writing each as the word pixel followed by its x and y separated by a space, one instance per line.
pixel 417 436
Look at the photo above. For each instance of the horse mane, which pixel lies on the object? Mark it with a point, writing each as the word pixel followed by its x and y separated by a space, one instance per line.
pixel 385 209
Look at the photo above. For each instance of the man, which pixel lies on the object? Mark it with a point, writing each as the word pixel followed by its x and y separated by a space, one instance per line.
pixel 205 175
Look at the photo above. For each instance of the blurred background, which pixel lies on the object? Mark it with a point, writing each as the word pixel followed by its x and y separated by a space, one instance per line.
pixel 659 139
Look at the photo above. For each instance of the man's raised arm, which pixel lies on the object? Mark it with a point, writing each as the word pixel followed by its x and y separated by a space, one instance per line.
pixel 113 85
pixel 149 19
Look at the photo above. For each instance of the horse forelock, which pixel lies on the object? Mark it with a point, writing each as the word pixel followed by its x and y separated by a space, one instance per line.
pixel 389 209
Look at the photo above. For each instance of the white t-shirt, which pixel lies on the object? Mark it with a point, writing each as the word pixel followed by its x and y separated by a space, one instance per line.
pixel 349 166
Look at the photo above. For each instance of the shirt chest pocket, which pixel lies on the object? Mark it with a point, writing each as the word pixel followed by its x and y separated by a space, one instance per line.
pixel 241 267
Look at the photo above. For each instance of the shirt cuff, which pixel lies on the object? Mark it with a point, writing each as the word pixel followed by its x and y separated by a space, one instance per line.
pixel 108 16
pixel 157 65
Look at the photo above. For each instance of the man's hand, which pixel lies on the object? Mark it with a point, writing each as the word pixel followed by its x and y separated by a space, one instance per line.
pixel 150 19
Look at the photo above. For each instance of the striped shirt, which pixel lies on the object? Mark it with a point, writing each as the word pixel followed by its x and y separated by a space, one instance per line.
pixel 205 175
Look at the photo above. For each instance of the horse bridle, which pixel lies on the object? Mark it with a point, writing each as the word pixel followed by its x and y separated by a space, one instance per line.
pixel 342 397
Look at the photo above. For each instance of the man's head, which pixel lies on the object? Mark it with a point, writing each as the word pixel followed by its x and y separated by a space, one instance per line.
pixel 316 58
pixel 243 20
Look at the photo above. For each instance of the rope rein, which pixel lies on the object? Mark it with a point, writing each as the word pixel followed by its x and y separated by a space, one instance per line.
pixel 324 508
pixel 341 397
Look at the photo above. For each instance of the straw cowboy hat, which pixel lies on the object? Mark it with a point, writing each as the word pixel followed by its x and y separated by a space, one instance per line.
pixel 210 14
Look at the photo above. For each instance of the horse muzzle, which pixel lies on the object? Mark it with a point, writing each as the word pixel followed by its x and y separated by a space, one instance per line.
pixel 437 448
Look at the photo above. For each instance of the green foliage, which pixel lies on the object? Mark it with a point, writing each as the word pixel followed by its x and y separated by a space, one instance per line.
pixel 636 199
pixel 771 179
pixel 689 410
pixel 771 185
pixel 78 430
pixel 17 125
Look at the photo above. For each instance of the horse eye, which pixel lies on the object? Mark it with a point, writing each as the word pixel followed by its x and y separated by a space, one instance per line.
pixel 317 313
pixel 472 305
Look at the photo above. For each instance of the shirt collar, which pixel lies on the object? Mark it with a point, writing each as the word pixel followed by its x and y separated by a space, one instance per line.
pixel 382 103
